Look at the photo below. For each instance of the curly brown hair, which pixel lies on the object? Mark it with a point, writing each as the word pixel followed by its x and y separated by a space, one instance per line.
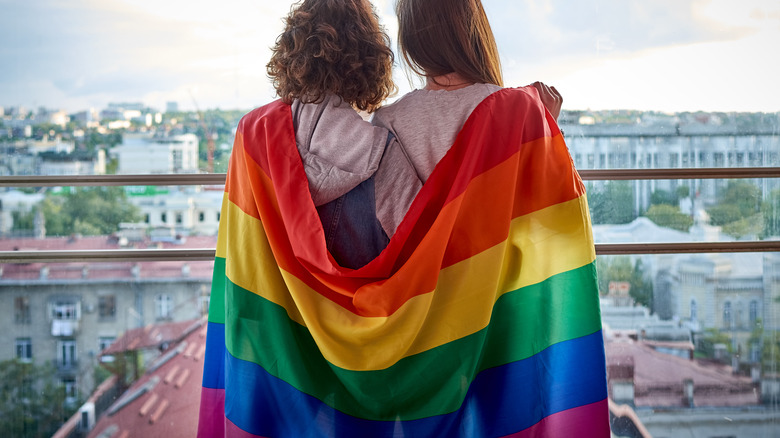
pixel 333 47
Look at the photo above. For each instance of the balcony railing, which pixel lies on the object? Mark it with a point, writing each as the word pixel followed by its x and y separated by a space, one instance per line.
pixel 219 179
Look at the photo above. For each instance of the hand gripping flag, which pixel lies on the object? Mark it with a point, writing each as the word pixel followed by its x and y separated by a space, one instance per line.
pixel 480 318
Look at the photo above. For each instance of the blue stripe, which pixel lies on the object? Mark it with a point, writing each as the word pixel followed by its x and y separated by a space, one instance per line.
pixel 500 401
pixel 214 362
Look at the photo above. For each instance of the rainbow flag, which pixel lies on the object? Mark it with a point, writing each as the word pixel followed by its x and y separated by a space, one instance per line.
pixel 480 318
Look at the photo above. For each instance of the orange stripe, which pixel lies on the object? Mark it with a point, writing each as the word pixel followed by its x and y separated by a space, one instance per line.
pixel 239 187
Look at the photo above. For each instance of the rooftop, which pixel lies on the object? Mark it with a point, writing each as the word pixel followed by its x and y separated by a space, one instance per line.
pixel 658 377
pixel 165 400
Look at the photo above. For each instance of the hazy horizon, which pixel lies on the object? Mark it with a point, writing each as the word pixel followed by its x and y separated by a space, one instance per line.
pixel 656 55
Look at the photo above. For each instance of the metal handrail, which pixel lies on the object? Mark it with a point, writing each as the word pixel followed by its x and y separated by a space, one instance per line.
pixel 219 179
pixel 201 254
pixel 183 179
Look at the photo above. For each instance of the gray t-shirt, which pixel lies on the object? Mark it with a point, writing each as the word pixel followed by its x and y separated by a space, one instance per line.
pixel 425 123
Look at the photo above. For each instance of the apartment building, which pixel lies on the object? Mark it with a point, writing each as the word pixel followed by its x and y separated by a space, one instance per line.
pixel 66 313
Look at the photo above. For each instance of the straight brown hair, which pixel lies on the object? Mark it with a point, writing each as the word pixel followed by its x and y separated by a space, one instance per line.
pixel 437 37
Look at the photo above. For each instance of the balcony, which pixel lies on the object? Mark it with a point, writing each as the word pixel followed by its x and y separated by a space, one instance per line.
pixel 64 327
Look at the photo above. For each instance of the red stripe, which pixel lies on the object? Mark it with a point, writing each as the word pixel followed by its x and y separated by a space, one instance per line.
pixel 585 421
pixel 212 413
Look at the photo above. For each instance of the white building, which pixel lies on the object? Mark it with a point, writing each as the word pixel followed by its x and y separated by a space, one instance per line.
pixel 15 201
pixel 143 154
pixel 73 164
pixel 193 211
pixel 667 145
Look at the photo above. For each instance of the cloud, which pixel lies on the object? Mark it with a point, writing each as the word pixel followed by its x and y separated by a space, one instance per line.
pixel 532 29
pixel 87 52
pixel 662 54
pixel 89 49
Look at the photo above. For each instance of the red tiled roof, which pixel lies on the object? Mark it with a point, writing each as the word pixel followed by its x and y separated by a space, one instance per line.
pixel 658 378
pixel 151 336
pixel 165 401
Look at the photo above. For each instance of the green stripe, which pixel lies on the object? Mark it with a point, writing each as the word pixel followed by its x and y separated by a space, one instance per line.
pixel 523 323
pixel 217 298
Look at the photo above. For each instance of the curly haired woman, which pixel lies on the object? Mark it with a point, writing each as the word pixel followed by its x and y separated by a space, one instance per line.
pixel 332 58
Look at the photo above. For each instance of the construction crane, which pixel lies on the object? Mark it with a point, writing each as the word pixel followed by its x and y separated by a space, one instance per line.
pixel 208 134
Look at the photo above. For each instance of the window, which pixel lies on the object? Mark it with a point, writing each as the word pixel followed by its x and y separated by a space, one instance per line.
pixel 177 159
pixel 164 218
pixel 755 352
pixel 201 216
pixel 674 160
pixel 24 349
pixel 66 354
pixel 107 307
pixel 727 315
pixel 163 306
pixel 179 218
pixel 694 311
pixel 103 343
pixel 739 321
pixel 22 310
pixel 65 310
pixel 71 389
pixel 753 312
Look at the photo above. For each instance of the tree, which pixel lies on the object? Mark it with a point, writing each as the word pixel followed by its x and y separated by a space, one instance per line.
pixel 663 197
pixel 746 226
pixel 769 343
pixel 771 215
pixel 739 200
pixel 22 220
pixel 723 214
pixel 711 337
pixel 620 269
pixel 641 285
pixel 668 216
pixel 683 192
pixel 88 211
pixel 614 204
pixel 32 402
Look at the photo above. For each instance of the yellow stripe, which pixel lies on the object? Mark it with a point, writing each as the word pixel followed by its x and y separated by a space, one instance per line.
pixel 539 247
pixel 222 230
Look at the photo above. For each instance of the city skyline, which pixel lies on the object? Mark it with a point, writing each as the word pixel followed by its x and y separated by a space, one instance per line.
pixel 662 55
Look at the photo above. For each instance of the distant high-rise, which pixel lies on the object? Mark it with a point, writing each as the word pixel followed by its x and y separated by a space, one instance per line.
pixel 171 107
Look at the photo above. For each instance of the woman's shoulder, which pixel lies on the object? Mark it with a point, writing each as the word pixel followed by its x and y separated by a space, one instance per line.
pixel 427 100
pixel 276 108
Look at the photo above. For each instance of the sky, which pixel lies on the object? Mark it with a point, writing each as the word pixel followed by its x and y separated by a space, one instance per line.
pixel 661 55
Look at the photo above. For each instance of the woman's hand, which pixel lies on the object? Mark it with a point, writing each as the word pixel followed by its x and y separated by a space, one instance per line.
pixel 551 98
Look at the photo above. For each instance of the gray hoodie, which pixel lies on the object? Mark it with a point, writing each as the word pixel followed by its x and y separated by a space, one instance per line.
pixel 338 148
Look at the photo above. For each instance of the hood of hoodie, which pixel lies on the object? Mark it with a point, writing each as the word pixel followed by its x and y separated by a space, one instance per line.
pixel 339 149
